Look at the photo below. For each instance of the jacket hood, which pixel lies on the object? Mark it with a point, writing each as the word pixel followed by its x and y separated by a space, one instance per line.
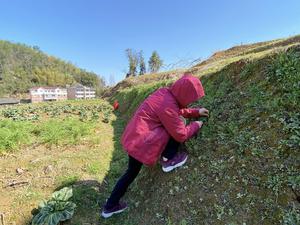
pixel 187 90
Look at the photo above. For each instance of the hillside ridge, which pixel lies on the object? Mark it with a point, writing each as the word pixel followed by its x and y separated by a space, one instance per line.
pixel 23 67
pixel 244 164
pixel 216 61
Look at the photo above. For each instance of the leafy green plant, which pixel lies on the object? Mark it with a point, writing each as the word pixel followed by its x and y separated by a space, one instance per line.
pixel 294 181
pixel 95 115
pixel 285 67
pixel 292 125
pixel 12 113
pixel 248 70
pixel 220 211
pixel 291 216
pixel 275 183
pixel 82 115
pixel 106 116
pixel 57 209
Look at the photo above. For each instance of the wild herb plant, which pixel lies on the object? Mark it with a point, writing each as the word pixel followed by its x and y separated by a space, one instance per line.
pixel 58 209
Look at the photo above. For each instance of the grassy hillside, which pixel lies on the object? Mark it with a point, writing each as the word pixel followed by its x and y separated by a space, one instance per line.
pixel 22 67
pixel 243 167
pixel 214 63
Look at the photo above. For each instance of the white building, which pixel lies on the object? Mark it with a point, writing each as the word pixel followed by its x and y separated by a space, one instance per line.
pixel 41 94
pixel 79 91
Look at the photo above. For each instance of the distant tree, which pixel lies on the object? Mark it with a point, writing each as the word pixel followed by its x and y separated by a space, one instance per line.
pixel 89 80
pixel 133 61
pixel 155 62
pixel 37 48
pixel 142 63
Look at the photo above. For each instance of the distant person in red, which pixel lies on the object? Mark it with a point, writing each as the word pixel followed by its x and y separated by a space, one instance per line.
pixel 156 131
pixel 116 105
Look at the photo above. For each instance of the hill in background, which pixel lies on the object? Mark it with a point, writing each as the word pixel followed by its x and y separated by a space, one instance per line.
pixel 22 67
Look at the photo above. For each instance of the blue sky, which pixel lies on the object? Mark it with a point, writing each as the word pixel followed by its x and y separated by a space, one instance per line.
pixel 93 34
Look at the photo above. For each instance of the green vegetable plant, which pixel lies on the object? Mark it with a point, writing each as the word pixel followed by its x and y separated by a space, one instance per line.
pixel 55 210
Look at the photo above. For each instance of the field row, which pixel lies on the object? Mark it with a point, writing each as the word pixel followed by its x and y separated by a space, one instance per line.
pixel 83 109
pixel 59 123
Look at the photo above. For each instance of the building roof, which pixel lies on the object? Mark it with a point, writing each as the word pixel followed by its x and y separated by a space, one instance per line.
pixel 45 87
pixel 5 101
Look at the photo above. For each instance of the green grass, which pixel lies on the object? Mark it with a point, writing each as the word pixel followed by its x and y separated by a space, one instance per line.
pixel 13 135
pixel 94 168
pixel 63 132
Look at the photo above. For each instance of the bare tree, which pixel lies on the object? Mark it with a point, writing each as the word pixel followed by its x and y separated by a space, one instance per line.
pixel 133 61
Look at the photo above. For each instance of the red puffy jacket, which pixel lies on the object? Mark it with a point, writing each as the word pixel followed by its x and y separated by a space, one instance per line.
pixel 158 118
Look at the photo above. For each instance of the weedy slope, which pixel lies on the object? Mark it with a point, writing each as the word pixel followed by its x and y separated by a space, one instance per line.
pixel 244 164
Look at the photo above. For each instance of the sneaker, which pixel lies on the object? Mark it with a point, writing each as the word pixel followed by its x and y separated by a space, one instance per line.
pixel 178 160
pixel 120 207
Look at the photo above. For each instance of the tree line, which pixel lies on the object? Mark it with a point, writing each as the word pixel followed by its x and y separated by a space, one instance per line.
pixel 137 65
pixel 22 67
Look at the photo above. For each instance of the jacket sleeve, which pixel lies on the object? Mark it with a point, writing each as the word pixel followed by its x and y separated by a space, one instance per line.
pixel 189 112
pixel 170 118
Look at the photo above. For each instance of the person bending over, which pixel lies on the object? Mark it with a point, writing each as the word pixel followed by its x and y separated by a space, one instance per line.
pixel 156 131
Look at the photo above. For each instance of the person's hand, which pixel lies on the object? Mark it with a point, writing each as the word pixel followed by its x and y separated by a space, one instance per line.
pixel 200 123
pixel 203 112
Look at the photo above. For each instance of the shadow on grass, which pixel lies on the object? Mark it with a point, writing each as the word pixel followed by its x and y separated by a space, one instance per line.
pixel 139 193
pixel 90 195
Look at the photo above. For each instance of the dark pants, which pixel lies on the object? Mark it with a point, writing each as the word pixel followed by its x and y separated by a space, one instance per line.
pixel 134 167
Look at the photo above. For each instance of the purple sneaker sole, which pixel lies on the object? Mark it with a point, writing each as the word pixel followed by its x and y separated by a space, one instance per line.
pixel 115 210
pixel 169 168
